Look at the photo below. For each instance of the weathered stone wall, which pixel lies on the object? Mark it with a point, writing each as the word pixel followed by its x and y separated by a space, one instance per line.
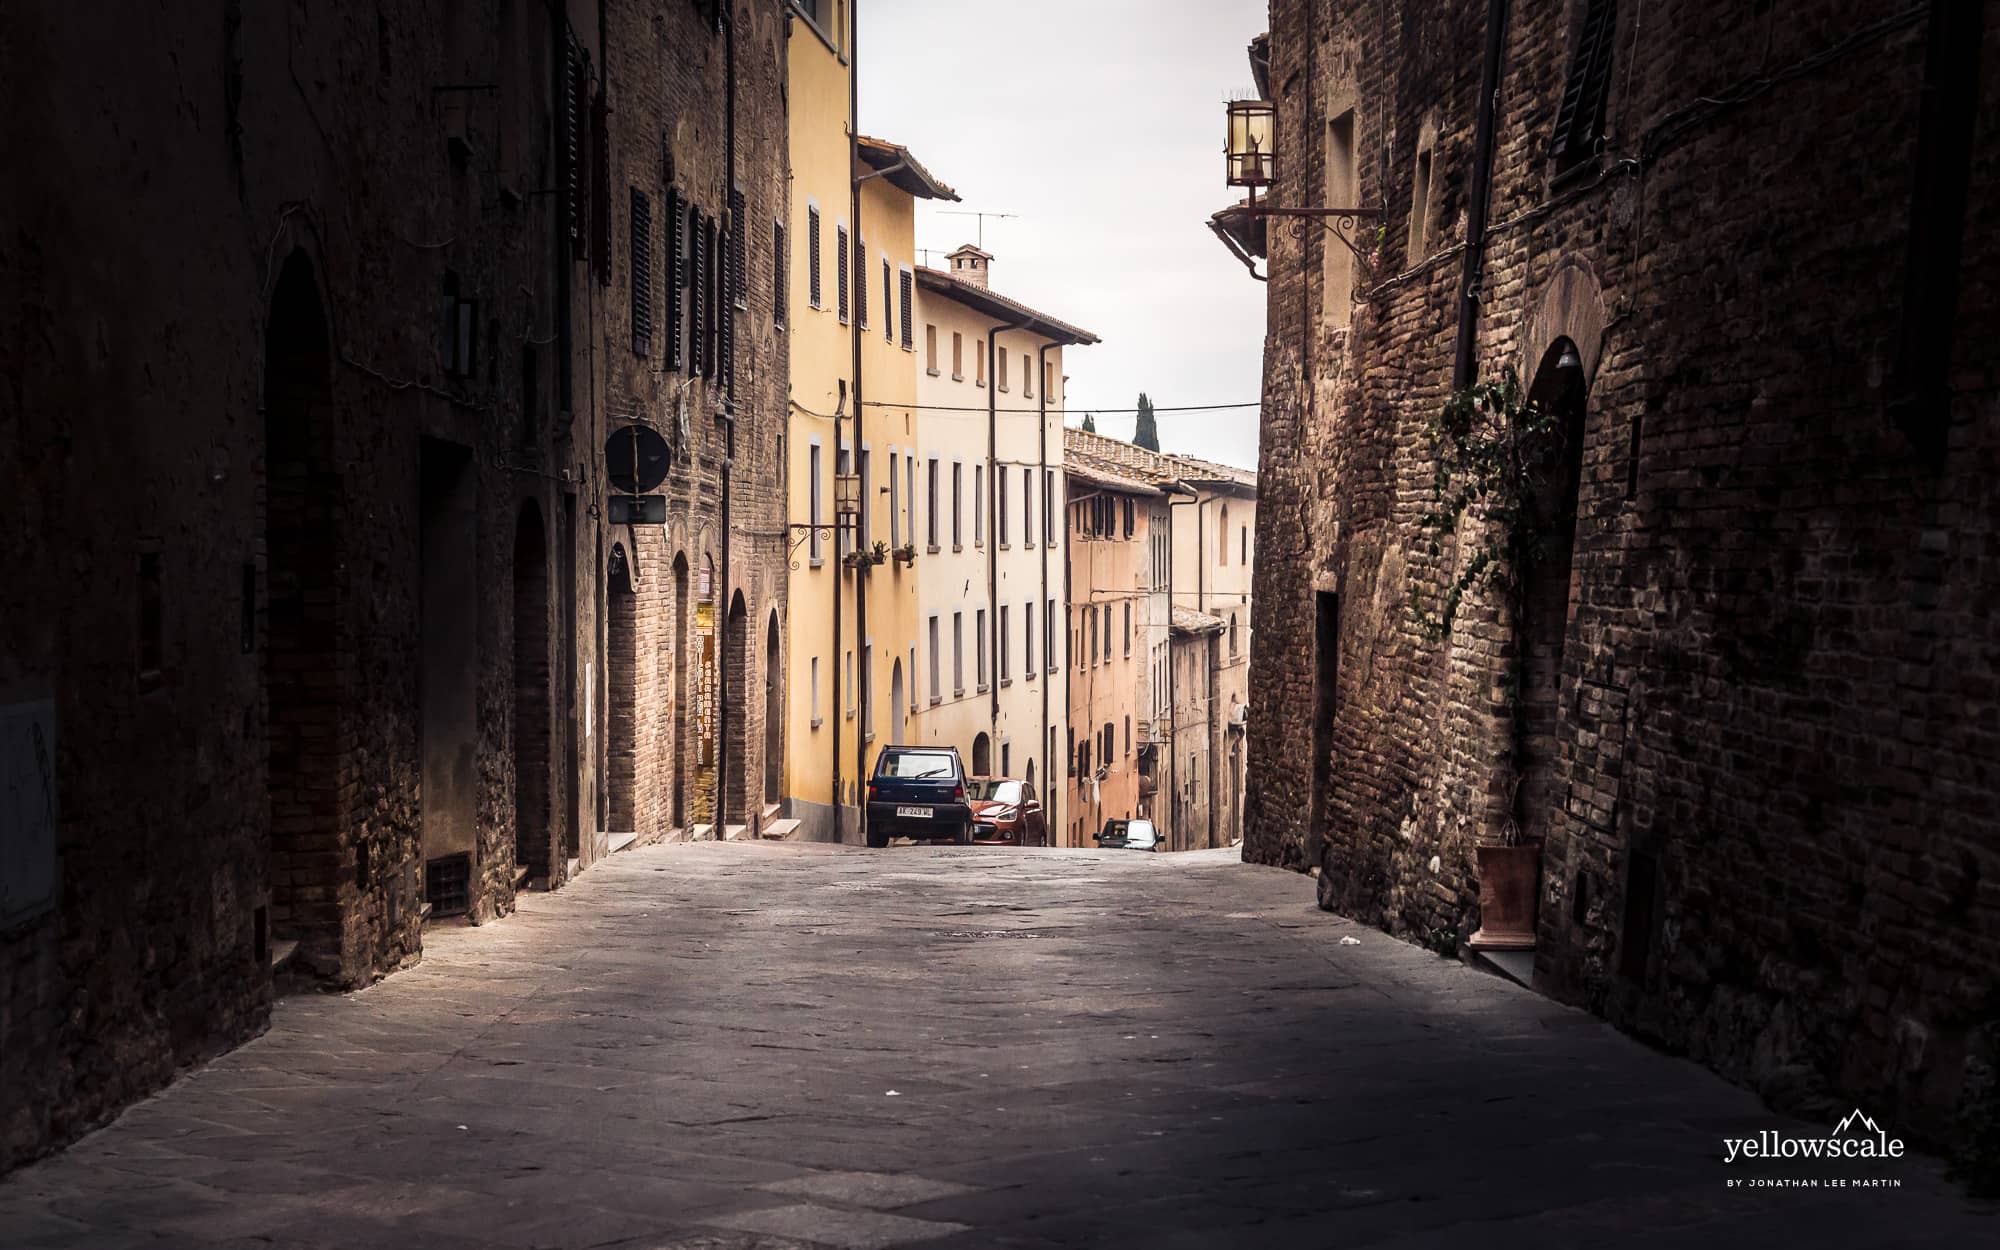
pixel 1771 844
pixel 233 418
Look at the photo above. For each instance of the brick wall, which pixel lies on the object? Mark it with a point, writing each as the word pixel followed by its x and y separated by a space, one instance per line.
pixel 1750 743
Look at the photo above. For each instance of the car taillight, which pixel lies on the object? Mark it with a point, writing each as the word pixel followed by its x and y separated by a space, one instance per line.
pixel 958 794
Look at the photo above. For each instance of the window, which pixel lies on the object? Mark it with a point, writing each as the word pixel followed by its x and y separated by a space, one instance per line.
pixel 850 684
pixel 912 671
pixel 868 689
pixel 841 463
pixel 937 665
pixel 1130 525
pixel 1049 635
pixel 1027 506
pixel 1222 539
pixel 1336 262
pixel 1243 545
pixel 677 276
pixel 840 268
pixel 888 318
pixel 1048 379
pixel 906 295
pixel 1232 633
pixel 1000 502
pixel 1128 628
pixel 815 692
pixel 1027 378
pixel 812 255
pixel 1091 653
pixel 934 504
pixel 642 273
pixel 739 244
pixel 930 350
pixel 1107 633
pixel 861 282
pixel 979 644
pixel 957 513
pixel 1580 119
pixel 1071 752
pixel 814 489
pixel 1028 640
pixel 1000 369
pixel 1128 735
pixel 867 502
pixel 979 362
pixel 957 653
pixel 1006 649
pixel 910 502
pixel 1049 506
pixel 957 356
pixel 978 504
pixel 781 267
pixel 896 503
pixel 1420 206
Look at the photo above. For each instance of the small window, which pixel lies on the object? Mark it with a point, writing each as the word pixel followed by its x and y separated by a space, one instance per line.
pixel 812 256
pixel 840 267
pixel 861 283
pixel 957 356
pixel 642 273
pixel 1580 119
pixel 1000 368
pixel 906 297
pixel 781 265
pixel 888 319
pixel 1420 205
pixel 933 499
pixel 979 362
pixel 930 349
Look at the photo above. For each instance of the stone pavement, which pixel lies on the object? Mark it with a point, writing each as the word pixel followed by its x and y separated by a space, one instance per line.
pixel 767 1047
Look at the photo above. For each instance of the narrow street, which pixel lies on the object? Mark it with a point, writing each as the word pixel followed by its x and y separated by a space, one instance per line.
pixel 762 1046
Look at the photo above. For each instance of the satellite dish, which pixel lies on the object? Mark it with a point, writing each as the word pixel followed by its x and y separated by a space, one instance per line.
pixel 636 459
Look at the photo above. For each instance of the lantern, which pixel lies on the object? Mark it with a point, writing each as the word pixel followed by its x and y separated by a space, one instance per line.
pixel 1252 155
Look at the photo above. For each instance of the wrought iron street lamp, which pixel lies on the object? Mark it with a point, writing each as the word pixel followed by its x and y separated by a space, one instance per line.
pixel 1251 161
pixel 1252 154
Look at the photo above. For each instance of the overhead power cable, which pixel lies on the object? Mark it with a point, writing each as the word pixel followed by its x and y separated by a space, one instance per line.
pixel 1102 412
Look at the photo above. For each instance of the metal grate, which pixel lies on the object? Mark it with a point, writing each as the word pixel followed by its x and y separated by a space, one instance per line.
pixel 448 885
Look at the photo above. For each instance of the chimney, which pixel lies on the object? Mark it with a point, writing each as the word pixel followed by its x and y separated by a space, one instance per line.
pixel 969 264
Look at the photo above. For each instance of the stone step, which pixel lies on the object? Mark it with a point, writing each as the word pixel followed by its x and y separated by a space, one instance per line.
pixel 282 951
pixel 1514 965
pixel 575 866
pixel 732 832
pixel 770 813
pixel 780 829
pixel 521 874
pixel 703 833
pixel 620 841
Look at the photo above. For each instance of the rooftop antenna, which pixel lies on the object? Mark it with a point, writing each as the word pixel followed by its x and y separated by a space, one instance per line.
pixel 966 212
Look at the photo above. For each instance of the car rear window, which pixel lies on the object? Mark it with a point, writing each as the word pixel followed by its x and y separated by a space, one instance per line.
pixel 997 791
pixel 916 764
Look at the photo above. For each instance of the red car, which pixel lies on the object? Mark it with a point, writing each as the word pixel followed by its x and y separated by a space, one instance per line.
pixel 1004 811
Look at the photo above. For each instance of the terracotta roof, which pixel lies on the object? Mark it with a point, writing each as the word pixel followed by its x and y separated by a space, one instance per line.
pixel 1189 621
pixel 880 154
pixel 1085 469
pixel 1001 308
pixel 1157 468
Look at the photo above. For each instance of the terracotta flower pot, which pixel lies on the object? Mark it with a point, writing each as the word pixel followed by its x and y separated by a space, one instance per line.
pixel 1510 879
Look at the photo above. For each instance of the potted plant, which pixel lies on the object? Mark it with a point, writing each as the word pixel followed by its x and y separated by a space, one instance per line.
pixel 1493 446
pixel 907 553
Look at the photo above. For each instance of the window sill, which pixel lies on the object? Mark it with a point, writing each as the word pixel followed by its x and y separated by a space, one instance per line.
pixel 958 377
pixel 959 693
pixel 955 547
pixel 930 373
pixel 816 562
pixel 932 549
pixel 982 687
pixel 1006 682
pixel 817 722
pixel 936 699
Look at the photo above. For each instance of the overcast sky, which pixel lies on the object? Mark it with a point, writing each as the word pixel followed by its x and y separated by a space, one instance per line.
pixel 1100 123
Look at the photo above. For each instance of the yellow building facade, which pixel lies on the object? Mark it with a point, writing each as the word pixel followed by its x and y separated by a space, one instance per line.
pixel 853 345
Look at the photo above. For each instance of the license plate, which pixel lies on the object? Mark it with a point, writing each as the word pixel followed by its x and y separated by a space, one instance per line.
pixel 922 812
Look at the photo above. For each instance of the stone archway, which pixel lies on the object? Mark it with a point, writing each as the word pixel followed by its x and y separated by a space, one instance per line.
pixel 736 655
pixel 621 703
pixel 982 756
pixel 1560 386
pixel 531 694
pixel 309 847
pixel 683 758
pixel 774 713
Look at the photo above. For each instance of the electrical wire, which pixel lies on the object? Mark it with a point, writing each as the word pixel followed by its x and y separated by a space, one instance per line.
pixel 1108 412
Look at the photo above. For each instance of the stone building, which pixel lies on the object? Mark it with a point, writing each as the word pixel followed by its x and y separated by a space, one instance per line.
pixel 1741 701
pixel 321 324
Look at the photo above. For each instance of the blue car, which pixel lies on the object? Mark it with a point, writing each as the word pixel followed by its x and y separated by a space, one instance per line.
pixel 918 792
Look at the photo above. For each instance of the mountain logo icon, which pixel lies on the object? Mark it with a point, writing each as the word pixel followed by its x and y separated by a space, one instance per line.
pixel 1849 1122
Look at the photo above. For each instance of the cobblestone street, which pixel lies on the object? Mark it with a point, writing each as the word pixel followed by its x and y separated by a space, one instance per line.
pixel 730 1045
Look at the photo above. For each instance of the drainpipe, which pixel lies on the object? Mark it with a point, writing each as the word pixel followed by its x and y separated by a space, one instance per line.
pixel 1048 538
pixel 726 414
pixel 1463 365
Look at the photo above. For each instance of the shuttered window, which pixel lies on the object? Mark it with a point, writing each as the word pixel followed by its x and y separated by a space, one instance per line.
pixel 696 282
pixel 576 111
pixel 840 265
pixel 861 283
pixel 711 265
pixel 888 314
pixel 676 275
pixel 725 308
pixel 1580 120
pixel 907 301
pixel 739 283
pixel 642 273
pixel 780 273
pixel 812 257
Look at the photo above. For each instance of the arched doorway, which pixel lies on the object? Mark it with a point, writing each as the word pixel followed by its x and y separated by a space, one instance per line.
pixel 982 756
pixel 301 661
pixel 774 714
pixel 736 654
pixel 531 693
pixel 1558 389
pixel 683 758
pixel 897 707
pixel 621 668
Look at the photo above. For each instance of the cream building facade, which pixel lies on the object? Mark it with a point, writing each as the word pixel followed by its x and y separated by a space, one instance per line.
pixel 990 670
